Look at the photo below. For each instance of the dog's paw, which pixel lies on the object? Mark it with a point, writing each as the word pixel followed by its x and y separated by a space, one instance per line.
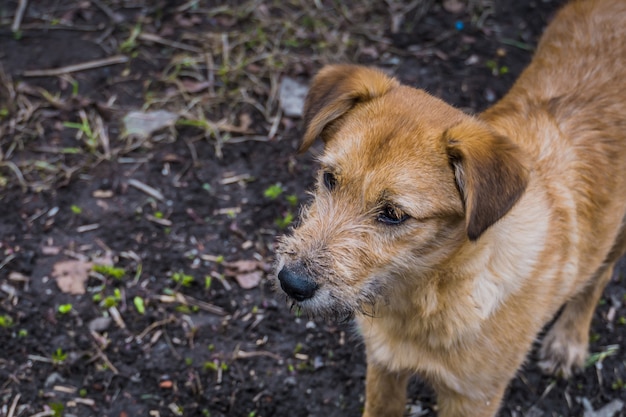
pixel 562 356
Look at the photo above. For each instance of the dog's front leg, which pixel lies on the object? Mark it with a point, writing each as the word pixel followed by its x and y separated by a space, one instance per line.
pixel 485 404
pixel 385 392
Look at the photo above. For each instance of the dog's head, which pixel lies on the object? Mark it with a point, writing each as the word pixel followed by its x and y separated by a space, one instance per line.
pixel 405 181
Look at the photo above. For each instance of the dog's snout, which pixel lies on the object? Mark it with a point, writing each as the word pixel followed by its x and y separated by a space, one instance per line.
pixel 296 284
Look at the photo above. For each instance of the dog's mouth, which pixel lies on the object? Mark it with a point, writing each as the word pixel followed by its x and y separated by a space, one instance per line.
pixel 306 296
pixel 312 309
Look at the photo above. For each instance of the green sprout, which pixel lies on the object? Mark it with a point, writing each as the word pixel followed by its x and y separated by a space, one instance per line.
pixel 139 305
pixel 207 282
pixel 57 409
pixel 273 191
pixel 65 308
pixel 600 356
pixel 209 366
pixel 110 271
pixel 292 199
pixel 110 300
pixel 181 278
pixel 6 321
pixel 131 43
pixel 285 221
pixel 84 129
pixel 58 357
pixel 618 385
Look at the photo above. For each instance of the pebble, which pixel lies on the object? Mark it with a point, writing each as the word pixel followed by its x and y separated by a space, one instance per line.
pixel 99 324
pixel 609 410
pixel 490 95
pixel 53 379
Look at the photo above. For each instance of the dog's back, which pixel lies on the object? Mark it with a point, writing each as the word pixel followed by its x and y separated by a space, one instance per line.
pixel 573 95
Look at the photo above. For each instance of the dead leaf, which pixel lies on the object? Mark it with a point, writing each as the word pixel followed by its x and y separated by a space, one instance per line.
pixel 247 273
pixel 50 250
pixel 143 124
pixel 249 280
pixel 195 86
pixel 245 121
pixel 102 193
pixel 453 6
pixel 243 265
pixel 72 275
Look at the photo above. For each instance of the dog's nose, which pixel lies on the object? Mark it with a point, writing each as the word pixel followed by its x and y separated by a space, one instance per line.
pixel 296 285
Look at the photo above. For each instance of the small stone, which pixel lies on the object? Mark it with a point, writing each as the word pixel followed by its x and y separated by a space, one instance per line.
pixel 53 379
pixel 291 96
pixel 99 324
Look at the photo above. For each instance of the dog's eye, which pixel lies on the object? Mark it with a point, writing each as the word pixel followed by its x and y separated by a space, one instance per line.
pixel 330 181
pixel 391 215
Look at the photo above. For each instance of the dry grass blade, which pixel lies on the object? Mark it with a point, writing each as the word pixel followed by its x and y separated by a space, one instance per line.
pixel 152 192
pixel 19 14
pixel 16 400
pixel 221 83
pixel 117 59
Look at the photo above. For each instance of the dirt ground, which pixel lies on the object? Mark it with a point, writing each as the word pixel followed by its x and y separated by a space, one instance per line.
pixel 135 269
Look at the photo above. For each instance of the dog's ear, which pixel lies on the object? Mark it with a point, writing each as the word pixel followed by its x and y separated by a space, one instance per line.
pixel 334 91
pixel 490 171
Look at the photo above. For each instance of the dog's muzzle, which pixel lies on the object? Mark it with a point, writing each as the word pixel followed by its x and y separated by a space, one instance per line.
pixel 296 284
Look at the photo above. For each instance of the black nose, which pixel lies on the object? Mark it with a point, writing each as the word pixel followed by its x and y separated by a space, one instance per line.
pixel 296 285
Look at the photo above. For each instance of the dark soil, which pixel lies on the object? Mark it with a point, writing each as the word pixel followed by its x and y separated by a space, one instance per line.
pixel 206 344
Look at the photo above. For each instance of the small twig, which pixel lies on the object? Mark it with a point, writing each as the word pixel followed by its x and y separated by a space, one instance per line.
pixel 240 354
pixel 187 300
pixel 6 260
pixel 116 18
pixel 117 317
pixel 39 358
pixel 44 413
pixel 117 59
pixel 14 405
pixel 105 359
pixel 19 14
pixel 204 306
pixel 154 326
pixel 87 228
pixel 149 37
pixel 275 125
pixel 152 192
pixel 17 172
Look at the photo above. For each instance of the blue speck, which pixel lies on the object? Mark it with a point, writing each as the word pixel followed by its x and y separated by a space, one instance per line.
pixel 459 25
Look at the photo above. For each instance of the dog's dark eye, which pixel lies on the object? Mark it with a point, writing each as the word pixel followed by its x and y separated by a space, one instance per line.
pixel 330 181
pixel 391 215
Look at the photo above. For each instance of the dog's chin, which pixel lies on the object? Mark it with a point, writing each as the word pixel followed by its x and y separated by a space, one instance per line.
pixel 324 306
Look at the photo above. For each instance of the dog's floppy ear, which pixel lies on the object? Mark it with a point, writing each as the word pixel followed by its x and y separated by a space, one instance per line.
pixel 334 91
pixel 490 171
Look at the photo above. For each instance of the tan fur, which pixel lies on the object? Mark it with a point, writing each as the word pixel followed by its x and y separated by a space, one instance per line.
pixel 511 215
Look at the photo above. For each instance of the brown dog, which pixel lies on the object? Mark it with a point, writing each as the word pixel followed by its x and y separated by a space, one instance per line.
pixel 454 239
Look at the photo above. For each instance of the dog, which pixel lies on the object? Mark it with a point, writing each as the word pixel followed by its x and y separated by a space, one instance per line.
pixel 454 239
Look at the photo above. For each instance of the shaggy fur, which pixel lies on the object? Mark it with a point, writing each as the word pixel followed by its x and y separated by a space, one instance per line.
pixel 454 239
